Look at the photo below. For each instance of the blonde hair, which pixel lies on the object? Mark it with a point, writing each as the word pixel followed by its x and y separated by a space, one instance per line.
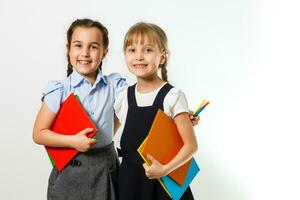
pixel 141 31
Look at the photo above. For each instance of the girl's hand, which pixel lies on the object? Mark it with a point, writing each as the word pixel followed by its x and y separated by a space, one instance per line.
pixel 194 120
pixel 155 170
pixel 81 142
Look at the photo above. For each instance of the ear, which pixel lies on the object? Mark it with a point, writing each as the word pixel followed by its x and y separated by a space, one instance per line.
pixel 163 57
pixel 105 52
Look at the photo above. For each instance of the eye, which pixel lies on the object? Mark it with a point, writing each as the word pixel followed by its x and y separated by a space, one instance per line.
pixel 130 50
pixel 148 50
pixel 78 45
pixel 94 47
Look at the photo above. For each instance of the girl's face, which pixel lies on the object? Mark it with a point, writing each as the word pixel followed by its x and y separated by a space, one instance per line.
pixel 86 51
pixel 143 59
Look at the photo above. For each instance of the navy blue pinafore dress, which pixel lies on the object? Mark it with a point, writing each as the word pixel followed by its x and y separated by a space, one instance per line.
pixel 133 184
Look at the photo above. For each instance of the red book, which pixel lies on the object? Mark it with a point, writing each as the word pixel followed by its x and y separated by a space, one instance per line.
pixel 70 119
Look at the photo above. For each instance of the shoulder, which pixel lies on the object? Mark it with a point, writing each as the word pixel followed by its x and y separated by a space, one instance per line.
pixel 53 86
pixel 121 97
pixel 175 102
pixel 174 94
pixel 53 94
pixel 121 104
pixel 116 79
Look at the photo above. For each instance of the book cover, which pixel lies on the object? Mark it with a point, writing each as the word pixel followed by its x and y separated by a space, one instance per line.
pixel 176 191
pixel 70 119
pixel 163 143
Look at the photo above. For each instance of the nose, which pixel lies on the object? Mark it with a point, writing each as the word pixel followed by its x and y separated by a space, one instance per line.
pixel 85 52
pixel 139 56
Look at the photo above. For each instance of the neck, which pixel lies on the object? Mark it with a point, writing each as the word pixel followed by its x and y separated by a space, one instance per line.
pixel 149 84
pixel 91 79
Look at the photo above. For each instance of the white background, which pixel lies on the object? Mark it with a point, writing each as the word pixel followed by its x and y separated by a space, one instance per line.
pixel 242 55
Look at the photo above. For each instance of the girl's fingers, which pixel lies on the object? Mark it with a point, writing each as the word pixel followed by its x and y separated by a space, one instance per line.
pixel 145 166
pixel 86 131
pixel 93 141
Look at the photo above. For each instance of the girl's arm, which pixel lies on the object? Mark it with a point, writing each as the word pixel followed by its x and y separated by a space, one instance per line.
pixel 185 128
pixel 117 123
pixel 194 120
pixel 44 136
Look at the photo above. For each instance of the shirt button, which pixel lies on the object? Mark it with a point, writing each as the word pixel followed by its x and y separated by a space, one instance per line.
pixel 92 112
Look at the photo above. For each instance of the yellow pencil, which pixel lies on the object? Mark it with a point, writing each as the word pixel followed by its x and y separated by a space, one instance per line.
pixel 200 105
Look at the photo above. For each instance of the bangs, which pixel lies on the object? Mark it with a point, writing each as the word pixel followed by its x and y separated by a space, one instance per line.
pixel 140 34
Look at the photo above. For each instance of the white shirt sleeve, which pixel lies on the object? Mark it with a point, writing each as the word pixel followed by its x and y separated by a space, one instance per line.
pixel 121 104
pixel 175 103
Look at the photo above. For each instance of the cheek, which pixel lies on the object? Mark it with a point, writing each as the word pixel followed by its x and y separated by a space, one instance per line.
pixel 157 61
pixel 97 56
pixel 127 59
pixel 72 54
pixel 128 63
pixel 72 57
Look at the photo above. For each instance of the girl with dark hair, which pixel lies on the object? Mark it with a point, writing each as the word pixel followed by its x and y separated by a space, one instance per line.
pixel 93 173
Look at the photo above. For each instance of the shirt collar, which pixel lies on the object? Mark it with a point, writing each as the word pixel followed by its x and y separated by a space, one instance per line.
pixel 76 78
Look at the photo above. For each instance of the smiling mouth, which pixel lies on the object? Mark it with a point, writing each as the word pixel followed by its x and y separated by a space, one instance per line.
pixel 84 62
pixel 138 66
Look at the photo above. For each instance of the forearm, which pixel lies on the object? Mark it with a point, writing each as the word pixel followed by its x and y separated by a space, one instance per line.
pixel 42 133
pixel 183 156
pixel 189 147
pixel 49 138
pixel 117 124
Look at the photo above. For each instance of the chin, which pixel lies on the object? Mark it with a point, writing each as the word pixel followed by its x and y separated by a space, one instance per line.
pixel 139 75
pixel 87 70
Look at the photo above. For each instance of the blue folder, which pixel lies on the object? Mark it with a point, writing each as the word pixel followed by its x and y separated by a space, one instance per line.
pixel 175 190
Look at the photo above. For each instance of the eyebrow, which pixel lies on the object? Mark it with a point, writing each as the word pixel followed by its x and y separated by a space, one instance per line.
pixel 75 41
pixel 143 44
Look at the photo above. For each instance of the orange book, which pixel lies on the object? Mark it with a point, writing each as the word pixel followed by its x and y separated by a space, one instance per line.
pixel 70 119
pixel 163 143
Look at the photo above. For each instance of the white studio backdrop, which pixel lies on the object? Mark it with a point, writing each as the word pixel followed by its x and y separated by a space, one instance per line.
pixel 242 55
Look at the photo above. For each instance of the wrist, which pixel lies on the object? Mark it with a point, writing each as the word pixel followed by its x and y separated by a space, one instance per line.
pixel 166 170
pixel 70 141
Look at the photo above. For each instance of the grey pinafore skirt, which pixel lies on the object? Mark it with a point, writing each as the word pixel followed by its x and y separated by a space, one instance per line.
pixel 90 176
